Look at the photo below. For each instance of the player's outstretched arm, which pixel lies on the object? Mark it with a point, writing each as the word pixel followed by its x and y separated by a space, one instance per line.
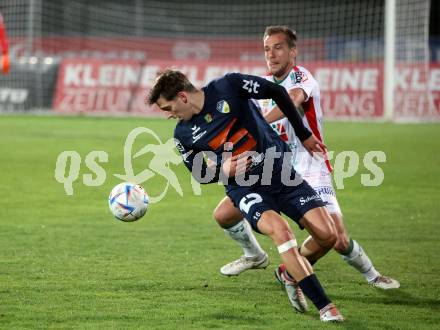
pixel 253 87
pixel 258 88
pixel 285 104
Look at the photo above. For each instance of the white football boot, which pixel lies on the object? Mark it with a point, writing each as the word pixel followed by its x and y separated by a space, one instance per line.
pixel 385 283
pixel 294 292
pixel 244 263
pixel 330 314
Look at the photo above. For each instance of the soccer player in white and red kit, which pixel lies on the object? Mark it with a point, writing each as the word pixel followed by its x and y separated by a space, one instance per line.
pixel 280 53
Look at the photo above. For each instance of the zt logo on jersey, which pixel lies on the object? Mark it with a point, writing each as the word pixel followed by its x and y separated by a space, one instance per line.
pixel 251 86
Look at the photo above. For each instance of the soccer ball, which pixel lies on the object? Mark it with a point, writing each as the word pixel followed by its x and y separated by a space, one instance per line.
pixel 128 201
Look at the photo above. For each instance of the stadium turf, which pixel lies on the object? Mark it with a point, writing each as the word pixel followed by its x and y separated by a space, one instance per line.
pixel 66 263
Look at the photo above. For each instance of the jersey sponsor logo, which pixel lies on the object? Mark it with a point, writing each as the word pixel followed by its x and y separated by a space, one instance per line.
pixel 325 190
pixel 303 200
pixel 298 77
pixel 280 129
pixel 251 86
pixel 196 133
pixel 223 107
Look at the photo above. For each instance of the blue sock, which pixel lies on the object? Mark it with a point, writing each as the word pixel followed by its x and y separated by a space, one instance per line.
pixel 313 290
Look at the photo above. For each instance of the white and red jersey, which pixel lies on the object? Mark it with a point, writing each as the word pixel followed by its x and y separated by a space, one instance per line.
pixel 311 112
pixel 316 172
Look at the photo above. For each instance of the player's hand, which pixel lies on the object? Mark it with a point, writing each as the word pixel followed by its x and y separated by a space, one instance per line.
pixel 212 165
pixel 236 165
pixel 313 145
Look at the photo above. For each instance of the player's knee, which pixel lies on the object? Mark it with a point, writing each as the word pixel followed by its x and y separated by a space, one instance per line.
pixel 342 244
pixel 223 218
pixel 329 238
pixel 281 233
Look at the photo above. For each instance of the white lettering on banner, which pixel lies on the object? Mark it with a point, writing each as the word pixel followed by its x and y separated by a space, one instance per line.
pixel 417 79
pixel 418 104
pixel 88 79
pixel 13 95
pixel 344 79
pixel 105 75
pixel 348 90
pixel 83 99
pixel 72 74
pixel 350 104
pixel 370 80
pixel 149 74
pixel 118 75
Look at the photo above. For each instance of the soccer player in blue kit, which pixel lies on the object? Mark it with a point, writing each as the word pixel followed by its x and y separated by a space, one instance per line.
pixel 220 121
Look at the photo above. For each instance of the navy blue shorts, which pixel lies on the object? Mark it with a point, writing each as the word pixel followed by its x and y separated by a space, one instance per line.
pixel 293 201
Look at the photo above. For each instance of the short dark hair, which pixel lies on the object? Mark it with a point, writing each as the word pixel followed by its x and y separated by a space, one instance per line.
pixel 289 33
pixel 168 84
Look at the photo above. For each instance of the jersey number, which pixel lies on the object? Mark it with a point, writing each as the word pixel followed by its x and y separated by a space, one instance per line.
pixel 247 201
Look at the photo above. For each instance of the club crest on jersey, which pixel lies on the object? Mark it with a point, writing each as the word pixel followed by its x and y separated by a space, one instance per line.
pixel 298 77
pixel 222 106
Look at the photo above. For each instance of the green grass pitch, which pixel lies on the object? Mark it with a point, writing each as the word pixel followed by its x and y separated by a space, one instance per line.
pixel 66 263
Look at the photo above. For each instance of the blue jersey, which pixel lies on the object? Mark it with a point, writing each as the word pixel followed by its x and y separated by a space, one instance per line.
pixel 229 120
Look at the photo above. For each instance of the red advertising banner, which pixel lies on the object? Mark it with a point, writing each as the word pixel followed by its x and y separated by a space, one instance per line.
pixel 348 90
pixel 417 95
pixel 122 86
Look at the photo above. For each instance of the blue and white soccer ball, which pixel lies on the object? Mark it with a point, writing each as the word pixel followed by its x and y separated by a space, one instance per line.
pixel 128 201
